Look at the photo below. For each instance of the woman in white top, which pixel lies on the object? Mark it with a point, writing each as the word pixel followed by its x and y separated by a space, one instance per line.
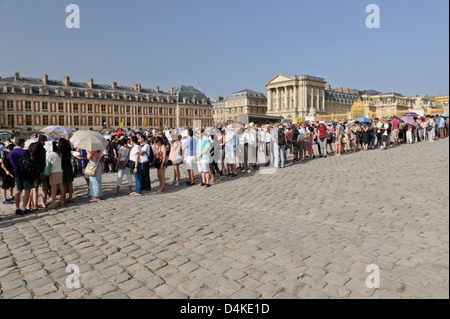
pixel 123 170
pixel 135 155
pixel 56 175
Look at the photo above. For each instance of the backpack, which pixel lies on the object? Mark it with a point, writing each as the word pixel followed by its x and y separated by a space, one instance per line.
pixel 28 169
pixel 281 137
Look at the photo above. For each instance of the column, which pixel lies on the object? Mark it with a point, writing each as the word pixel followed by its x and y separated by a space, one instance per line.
pixel 318 99
pixel 305 98
pixel 285 98
pixel 295 98
pixel 323 99
pixel 312 97
pixel 269 100
pixel 278 99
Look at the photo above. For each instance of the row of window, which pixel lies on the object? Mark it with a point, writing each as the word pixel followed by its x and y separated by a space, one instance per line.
pixel 250 102
pixel 103 109
pixel 114 95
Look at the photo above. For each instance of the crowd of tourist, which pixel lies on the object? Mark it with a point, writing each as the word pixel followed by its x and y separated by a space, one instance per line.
pixel 43 174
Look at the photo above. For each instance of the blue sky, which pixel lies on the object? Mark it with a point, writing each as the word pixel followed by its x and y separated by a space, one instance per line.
pixel 225 46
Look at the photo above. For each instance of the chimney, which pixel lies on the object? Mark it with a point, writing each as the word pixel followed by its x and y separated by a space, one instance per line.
pixel 16 76
pixel 45 79
pixel 339 89
pixel 114 85
pixel 66 80
pixel 137 87
pixel 353 91
pixel 171 91
pixel 220 99
pixel 91 83
pixel 328 87
pixel 157 89
pixel 346 90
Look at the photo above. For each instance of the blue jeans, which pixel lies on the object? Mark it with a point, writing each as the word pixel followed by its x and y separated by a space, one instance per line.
pixel 137 179
pixel 145 174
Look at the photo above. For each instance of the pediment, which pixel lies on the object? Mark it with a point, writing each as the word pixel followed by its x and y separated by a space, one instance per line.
pixel 279 78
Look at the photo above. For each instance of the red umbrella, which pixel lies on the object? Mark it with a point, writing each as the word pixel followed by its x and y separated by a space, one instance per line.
pixel 119 133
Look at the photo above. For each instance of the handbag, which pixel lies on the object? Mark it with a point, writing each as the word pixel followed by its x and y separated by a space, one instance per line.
pixel 48 169
pixel 91 169
pixel 123 164
pixel 130 164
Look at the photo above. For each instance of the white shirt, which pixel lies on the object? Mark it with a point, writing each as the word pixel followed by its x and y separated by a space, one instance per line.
pixel 144 157
pixel 135 150
pixel 55 160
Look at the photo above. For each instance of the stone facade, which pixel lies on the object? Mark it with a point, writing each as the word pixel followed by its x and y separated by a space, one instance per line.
pixel 31 104
pixel 245 102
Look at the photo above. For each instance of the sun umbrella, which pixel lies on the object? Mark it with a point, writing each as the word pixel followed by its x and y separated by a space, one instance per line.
pixel 119 133
pixel 58 132
pixel 29 142
pixel 444 115
pixel 408 120
pixel 107 137
pixel 363 119
pixel 411 114
pixel 89 141
pixel 238 124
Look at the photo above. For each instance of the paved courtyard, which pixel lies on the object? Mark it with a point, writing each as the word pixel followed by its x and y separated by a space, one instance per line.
pixel 309 231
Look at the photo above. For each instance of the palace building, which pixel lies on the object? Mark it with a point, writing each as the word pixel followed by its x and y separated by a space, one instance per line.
pixel 33 103
pixel 244 106
pixel 304 96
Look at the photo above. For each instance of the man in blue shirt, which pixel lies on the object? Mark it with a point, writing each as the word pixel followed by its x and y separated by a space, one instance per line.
pixel 21 185
pixel 190 146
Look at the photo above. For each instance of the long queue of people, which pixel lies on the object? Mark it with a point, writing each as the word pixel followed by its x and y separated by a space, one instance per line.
pixel 217 152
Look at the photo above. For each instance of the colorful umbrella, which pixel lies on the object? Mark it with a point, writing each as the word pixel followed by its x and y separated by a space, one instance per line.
pixel 58 132
pixel 408 120
pixel 119 133
pixel 363 119
pixel 444 115
pixel 411 114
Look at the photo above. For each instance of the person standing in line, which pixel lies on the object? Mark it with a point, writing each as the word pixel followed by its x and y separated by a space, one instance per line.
pixel 123 170
pixel 21 185
pixel 95 182
pixel 215 156
pixel 6 172
pixel 56 176
pixel 203 149
pixel 176 158
pixel 384 134
pixel 322 139
pixel 133 164
pixel 395 129
pixel 190 147
pixel 161 163
pixel 339 136
pixel 231 149
pixel 144 163
pixel 66 161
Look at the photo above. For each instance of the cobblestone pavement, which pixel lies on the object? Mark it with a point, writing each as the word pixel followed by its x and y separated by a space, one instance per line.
pixel 309 231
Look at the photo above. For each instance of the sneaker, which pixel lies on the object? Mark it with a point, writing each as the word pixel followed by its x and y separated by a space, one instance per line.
pixel 170 183
pixel 11 199
pixel 88 194
pixel 177 184
pixel 135 194
pixel 243 171
pixel 249 171
pixel 162 190
pixel 7 202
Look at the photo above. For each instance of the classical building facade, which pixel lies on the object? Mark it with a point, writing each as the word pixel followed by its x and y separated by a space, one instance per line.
pixel 33 103
pixel 301 96
pixel 304 96
pixel 238 105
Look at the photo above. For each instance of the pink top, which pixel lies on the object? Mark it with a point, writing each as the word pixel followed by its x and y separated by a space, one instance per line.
pixel 394 123
pixel 93 156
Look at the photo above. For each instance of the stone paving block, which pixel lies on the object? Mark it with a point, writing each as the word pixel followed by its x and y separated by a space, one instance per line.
pixel 246 294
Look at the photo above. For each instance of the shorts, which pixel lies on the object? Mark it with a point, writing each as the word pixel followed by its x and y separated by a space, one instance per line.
pixel 302 146
pixel 56 178
pixel 23 185
pixel 203 166
pixel 7 182
pixel 384 138
pixel 230 157
pixel 190 162
pixel 339 139
pixel 395 133
pixel 42 180
pixel 296 148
